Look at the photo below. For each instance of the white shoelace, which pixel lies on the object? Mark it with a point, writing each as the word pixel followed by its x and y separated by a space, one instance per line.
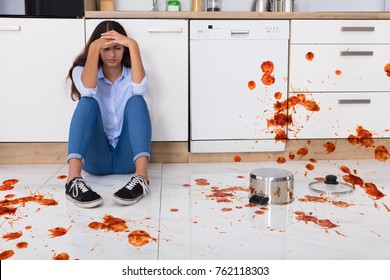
pixel 79 184
pixel 137 180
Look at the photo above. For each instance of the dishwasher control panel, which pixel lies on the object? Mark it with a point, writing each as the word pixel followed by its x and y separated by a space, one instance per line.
pixel 239 29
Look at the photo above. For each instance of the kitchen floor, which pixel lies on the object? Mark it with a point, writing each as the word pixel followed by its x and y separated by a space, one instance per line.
pixel 197 211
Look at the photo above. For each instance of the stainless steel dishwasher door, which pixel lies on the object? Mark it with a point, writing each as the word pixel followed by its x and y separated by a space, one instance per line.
pixel 225 55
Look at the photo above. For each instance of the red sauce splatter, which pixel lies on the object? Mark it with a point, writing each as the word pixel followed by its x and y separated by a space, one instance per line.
pixel 302 151
pixel 281 160
pixel 140 238
pixel 186 185
pixel 250 205
pixel 387 69
pixel 240 176
pixel 387 207
pixel 22 245
pixel 12 235
pixel 237 158
pixel 319 179
pixel 58 231
pixel 27 227
pixel 313 160
pixel 381 153
pixel 338 72
pixel 224 195
pixel 9 206
pixel 226 209
pixel 202 182
pixel 308 142
pixel 174 210
pixel 8 184
pixel 267 67
pixel 259 212
pixel 321 199
pixel 280 135
pixel 278 95
pixel 369 188
pixel 6 254
pixel 310 167
pixel 251 85
pixel 309 56
pixel 323 223
pixel 62 177
pixel 110 223
pixel 61 257
pixel 363 137
pixel 330 147
pixel 291 156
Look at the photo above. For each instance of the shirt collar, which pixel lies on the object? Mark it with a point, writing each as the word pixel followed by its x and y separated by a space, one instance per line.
pixel 100 75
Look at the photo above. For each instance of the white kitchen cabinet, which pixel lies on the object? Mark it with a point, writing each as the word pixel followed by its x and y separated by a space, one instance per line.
pixel 164 50
pixel 340 64
pixel 35 56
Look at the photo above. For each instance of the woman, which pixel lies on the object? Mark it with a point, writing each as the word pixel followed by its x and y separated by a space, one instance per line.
pixel 110 131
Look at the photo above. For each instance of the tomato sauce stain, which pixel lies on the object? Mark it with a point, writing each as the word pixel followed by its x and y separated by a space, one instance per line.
pixel 186 185
pixel 140 238
pixel 259 212
pixel 278 95
pixel 251 85
pixel 381 153
pixel 330 147
pixel 323 223
pixel 309 56
pixel 8 184
pixel 62 177
pixel 369 188
pixel 237 158
pixel 224 195
pixel 22 245
pixel 310 167
pixel 302 152
pixel 363 138
pixel 61 257
pixel 386 207
pixel 267 67
pixel 281 160
pixel 338 72
pixel 321 199
pixel 226 209
pixel 202 182
pixel 6 254
pixel 291 156
pixel 9 206
pixel 387 69
pixel 58 231
pixel 174 210
pixel 110 223
pixel 12 235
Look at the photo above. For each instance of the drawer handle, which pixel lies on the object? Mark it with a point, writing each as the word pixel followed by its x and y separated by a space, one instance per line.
pixel 354 101
pixel 357 28
pixel 239 32
pixel 356 53
pixel 165 30
pixel 10 28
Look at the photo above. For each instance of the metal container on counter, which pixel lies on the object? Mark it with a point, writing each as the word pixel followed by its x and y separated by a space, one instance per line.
pixel 271 186
pixel 260 6
pixel 282 5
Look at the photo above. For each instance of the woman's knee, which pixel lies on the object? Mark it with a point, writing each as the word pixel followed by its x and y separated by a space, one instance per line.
pixel 88 103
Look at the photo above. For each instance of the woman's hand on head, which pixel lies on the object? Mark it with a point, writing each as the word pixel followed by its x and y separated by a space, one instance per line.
pixel 112 37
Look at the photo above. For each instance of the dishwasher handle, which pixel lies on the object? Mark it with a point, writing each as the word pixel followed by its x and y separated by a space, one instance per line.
pixel 239 32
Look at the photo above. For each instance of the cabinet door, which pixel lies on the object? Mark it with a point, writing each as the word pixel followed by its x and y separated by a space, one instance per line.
pixel 339 67
pixel 164 50
pixel 340 114
pixel 35 56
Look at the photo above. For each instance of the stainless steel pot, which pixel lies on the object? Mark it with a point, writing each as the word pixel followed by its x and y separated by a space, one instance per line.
pixel 260 6
pixel 271 186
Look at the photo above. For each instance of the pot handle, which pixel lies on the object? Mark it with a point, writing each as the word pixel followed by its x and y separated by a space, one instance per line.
pixel 258 199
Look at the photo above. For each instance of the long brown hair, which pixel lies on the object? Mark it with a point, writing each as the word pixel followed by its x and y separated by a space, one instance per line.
pixel 104 26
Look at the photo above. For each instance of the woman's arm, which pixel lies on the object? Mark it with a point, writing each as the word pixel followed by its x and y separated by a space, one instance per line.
pixel 89 76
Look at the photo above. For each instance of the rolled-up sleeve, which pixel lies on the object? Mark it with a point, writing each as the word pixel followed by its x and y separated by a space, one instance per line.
pixel 140 88
pixel 76 75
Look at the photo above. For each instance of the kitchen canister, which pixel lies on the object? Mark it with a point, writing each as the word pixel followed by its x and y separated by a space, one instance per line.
pixel 260 6
pixel 271 186
pixel 282 5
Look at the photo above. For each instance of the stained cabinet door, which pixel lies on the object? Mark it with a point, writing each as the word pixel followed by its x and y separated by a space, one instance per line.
pixel 35 57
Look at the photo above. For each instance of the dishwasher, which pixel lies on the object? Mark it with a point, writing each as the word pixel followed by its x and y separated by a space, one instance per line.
pixel 230 104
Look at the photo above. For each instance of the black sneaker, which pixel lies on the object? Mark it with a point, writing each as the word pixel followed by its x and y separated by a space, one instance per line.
pixel 133 191
pixel 81 194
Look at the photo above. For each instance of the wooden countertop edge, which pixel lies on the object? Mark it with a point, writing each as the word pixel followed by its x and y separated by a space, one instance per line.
pixel 235 15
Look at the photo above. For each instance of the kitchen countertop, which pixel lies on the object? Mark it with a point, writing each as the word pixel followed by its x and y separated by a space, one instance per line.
pixel 237 15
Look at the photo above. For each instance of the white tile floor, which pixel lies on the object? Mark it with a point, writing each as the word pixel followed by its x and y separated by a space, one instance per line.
pixel 185 223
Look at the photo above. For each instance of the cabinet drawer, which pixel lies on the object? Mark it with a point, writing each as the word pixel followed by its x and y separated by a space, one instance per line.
pixel 340 114
pixel 339 68
pixel 340 31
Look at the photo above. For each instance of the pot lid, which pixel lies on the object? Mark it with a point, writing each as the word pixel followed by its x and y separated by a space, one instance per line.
pixel 331 186
pixel 271 174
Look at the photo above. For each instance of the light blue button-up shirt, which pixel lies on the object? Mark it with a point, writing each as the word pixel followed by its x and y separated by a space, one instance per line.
pixel 111 97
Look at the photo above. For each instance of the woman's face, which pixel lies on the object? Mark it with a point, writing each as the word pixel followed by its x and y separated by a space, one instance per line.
pixel 112 56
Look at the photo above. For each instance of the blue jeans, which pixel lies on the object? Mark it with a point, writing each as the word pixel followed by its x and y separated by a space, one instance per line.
pixel 88 141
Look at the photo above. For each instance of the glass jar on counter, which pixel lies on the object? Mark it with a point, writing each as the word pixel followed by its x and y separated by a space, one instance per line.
pixel 214 5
